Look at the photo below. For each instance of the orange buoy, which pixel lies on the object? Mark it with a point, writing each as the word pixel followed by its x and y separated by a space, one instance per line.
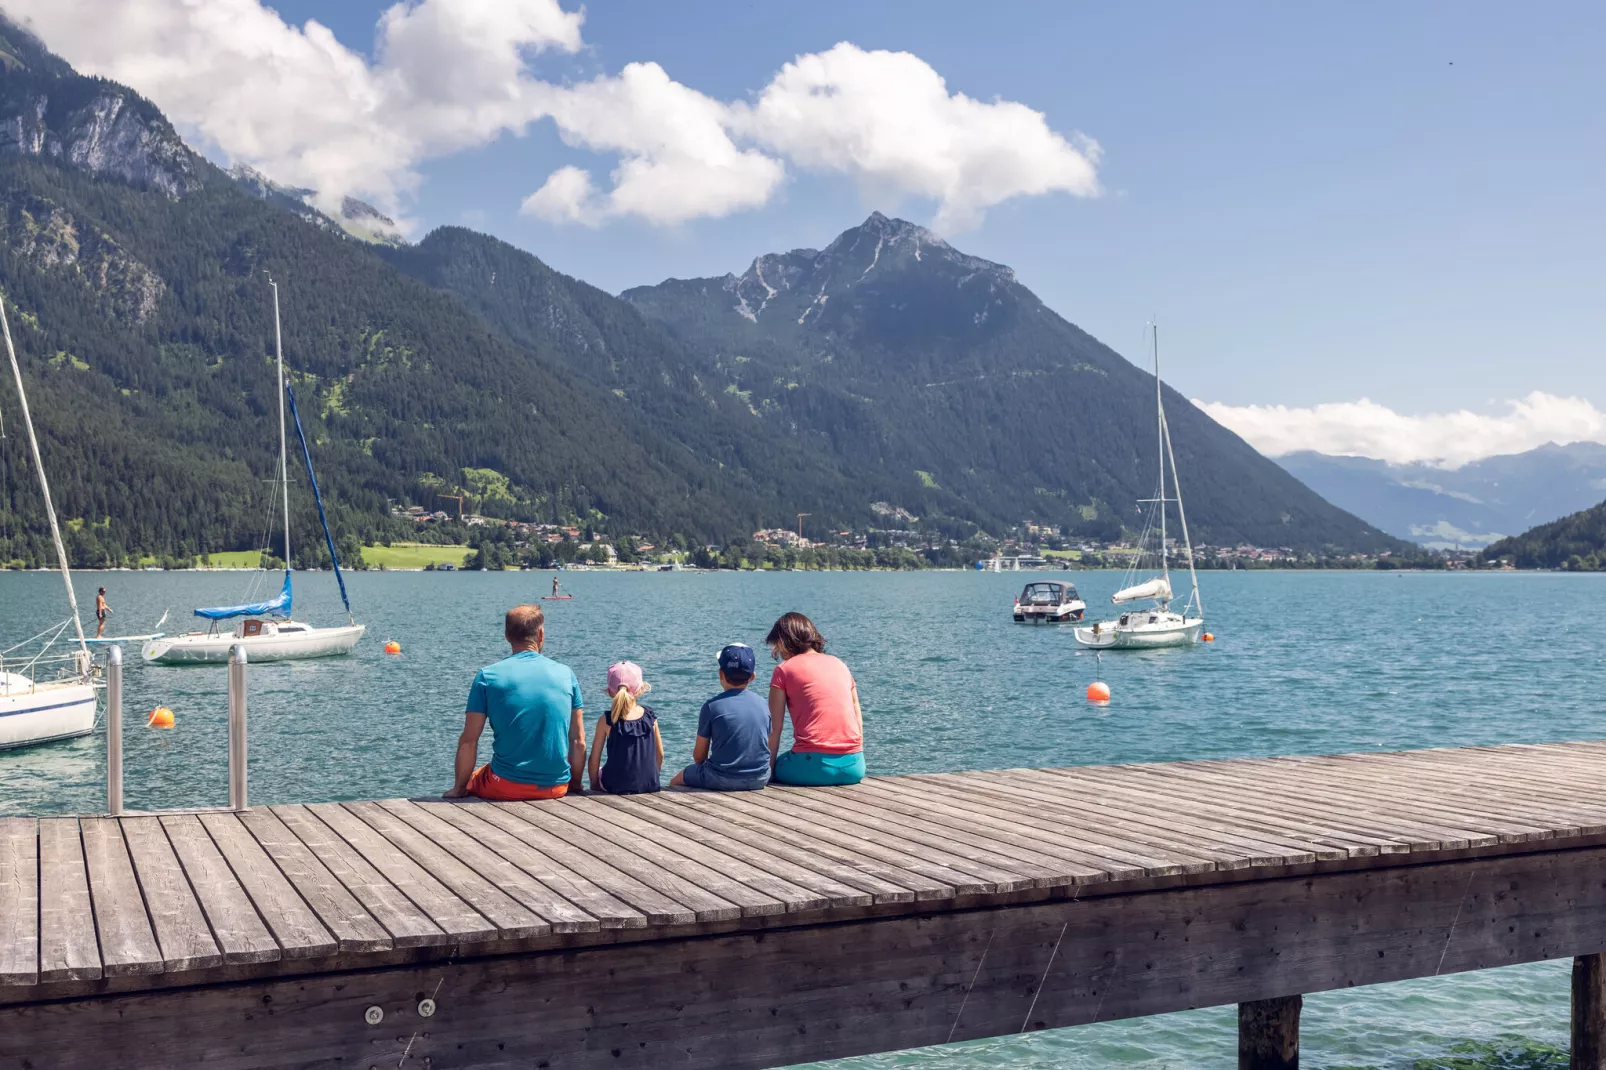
pixel 1208 637
pixel 1098 691
pixel 392 647
pixel 161 717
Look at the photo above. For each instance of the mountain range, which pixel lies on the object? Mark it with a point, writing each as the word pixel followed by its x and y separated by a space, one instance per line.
pixel 1469 507
pixel 885 378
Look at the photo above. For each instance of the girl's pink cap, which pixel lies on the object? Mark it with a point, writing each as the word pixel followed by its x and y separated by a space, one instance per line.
pixel 625 674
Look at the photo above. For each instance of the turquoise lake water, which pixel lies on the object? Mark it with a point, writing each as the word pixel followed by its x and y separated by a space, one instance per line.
pixel 1304 663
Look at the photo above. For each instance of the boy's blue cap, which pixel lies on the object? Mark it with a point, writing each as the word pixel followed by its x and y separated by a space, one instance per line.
pixel 737 660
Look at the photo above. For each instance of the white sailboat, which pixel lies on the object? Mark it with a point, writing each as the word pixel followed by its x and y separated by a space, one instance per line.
pixel 279 637
pixel 44 697
pixel 1158 625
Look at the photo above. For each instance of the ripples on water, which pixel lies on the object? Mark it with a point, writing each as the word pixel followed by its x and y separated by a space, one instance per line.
pixel 1304 663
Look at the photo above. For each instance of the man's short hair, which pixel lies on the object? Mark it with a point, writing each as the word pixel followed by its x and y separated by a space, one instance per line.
pixel 523 624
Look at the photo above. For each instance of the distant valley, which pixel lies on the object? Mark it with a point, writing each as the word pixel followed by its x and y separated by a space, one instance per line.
pixel 1468 507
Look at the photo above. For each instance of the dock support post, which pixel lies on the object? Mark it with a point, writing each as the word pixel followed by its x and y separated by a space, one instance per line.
pixel 1589 1013
pixel 237 792
pixel 114 731
pixel 1268 1034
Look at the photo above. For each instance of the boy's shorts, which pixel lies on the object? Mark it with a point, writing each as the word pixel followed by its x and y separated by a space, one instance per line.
pixel 704 776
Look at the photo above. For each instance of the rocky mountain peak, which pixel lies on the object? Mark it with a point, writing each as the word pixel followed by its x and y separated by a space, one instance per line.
pixel 49 110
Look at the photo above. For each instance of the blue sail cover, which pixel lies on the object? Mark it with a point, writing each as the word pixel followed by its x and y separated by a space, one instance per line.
pixel 328 539
pixel 279 605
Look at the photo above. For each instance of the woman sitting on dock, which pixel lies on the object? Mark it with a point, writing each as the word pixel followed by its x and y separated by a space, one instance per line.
pixel 819 692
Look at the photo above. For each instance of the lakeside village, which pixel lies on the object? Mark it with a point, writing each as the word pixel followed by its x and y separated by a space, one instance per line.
pixel 493 543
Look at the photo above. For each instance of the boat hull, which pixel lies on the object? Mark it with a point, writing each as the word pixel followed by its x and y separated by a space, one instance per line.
pixel 43 713
pixel 1112 636
pixel 203 649
pixel 1066 614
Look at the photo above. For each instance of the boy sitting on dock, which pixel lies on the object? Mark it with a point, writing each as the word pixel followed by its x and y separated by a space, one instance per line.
pixel 732 751
pixel 538 737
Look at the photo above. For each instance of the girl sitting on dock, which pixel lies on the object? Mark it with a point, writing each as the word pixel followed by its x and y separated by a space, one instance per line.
pixel 819 692
pixel 628 735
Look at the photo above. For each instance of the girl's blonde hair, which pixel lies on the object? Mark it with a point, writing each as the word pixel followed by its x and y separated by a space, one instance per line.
pixel 624 700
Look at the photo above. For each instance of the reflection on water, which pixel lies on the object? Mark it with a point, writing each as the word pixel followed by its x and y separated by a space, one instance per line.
pixel 1304 663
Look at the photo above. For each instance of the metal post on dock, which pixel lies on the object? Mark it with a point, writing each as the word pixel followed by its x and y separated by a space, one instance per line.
pixel 237 793
pixel 114 731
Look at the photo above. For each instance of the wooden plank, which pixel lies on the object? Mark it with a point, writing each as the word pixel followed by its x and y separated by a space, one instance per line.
pixel 450 914
pixel 407 925
pixel 655 908
pixel 956 847
pixel 609 911
pixel 623 814
pixel 180 926
pixel 827 892
pixel 127 944
pixel 1115 799
pixel 1589 1013
pixel 68 949
pixel 968 880
pixel 562 915
pixel 1170 855
pixel 240 933
pixel 699 822
pixel 1476 792
pixel 891 867
pixel 294 926
pixel 514 920
pixel 704 905
pixel 19 901
pixel 351 926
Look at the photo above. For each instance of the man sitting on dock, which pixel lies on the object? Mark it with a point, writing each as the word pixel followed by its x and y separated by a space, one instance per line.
pixel 538 739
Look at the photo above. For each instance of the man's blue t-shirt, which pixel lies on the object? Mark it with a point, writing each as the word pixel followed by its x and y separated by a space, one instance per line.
pixel 736 724
pixel 528 698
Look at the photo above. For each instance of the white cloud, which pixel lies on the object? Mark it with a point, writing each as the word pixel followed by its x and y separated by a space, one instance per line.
pixel 1449 439
pixel 447 75
pixel 887 119
pixel 677 161
pixel 300 106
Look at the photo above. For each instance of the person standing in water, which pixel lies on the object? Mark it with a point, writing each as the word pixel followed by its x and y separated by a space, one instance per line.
pixel 102 611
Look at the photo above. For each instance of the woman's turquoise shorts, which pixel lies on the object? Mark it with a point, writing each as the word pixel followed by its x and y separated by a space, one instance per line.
pixel 806 769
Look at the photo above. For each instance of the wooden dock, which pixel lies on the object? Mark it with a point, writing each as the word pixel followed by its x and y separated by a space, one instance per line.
pixel 769 928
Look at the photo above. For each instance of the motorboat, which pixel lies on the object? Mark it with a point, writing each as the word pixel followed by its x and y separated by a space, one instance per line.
pixel 44 695
pixel 1049 602
pixel 1159 625
pixel 268 632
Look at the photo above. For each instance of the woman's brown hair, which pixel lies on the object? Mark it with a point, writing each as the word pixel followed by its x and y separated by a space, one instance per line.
pixel 795 633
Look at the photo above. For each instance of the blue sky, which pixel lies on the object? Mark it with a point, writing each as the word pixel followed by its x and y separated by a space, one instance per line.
pixel 1393 201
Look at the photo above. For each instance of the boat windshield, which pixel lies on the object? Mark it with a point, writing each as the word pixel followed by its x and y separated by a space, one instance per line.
pixel 1047 594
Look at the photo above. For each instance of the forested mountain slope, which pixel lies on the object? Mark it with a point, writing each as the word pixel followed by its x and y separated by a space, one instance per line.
pixel 136 274
pixel 1573 542
pixel 894 349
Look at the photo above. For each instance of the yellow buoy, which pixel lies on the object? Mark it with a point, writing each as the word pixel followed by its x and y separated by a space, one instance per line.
pixel 161 717
pixel 1098 691
pixel 393 647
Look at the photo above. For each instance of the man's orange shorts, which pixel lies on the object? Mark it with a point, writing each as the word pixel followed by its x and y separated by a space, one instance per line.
pixel 485 784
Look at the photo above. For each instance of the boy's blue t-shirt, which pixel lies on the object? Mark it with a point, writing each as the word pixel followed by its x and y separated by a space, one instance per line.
pixel 736 724
pixel 528 699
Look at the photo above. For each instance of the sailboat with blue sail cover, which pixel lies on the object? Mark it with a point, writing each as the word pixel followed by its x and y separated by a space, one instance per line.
pixel 266 629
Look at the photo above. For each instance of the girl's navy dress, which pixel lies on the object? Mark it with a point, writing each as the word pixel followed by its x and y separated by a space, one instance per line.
pixel 630 765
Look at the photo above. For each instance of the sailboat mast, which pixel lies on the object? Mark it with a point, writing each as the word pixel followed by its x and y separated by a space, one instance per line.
pixel 284 453
pixel 44 488
pixel 1182 514
pixel 1159 415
